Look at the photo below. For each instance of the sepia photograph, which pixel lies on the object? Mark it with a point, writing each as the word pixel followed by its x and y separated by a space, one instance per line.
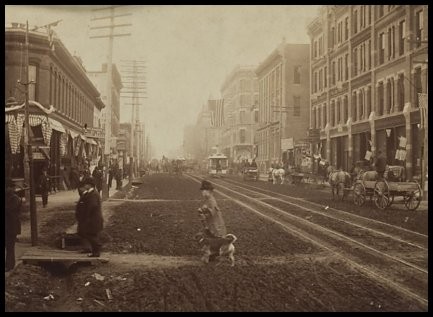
pixel 216 158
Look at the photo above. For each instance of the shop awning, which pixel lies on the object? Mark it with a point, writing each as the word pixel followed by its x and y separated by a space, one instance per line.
pixel 56 125
pixel 83 137
pixel 91 141
pixel 73 134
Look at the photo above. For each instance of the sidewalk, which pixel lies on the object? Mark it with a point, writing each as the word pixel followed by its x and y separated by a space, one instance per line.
pixel 66 199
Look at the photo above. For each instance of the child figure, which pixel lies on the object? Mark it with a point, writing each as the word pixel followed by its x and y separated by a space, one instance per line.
pixel 210 213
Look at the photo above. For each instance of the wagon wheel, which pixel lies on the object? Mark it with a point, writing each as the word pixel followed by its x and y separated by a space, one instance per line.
pixel 381 194
pixel 413 199
pixel 340 191
pixel 359 194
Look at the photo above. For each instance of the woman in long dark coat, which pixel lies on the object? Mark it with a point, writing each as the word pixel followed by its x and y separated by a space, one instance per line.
pixel 89 216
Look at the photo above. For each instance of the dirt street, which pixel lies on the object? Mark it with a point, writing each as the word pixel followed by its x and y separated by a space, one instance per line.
pixel 155 264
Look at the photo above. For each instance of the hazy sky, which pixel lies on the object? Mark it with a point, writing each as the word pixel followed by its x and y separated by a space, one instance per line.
pixel 189 50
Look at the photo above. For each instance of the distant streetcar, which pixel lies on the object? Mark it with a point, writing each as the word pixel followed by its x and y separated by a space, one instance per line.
pixel 217 165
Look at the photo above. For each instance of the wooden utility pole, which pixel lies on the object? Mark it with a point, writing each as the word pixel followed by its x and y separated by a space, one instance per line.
pixel 135 70
pixel 108 105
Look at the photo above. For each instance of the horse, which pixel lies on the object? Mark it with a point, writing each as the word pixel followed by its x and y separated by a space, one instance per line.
pixel 337 177
pixel 278 173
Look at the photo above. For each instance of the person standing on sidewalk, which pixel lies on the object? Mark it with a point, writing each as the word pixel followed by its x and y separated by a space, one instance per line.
pixel 98 177
pixel 12 222
pixel 44 187
pixel 89 216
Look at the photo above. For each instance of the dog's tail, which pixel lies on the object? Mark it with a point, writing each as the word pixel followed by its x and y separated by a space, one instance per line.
pixel 231 237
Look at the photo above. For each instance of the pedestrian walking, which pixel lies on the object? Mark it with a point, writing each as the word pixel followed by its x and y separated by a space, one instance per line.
pixel 89 217
pixel 118 179
pixel 74 176
pixel 44 187
pixel 380 164
pixel 98 177
pixel 12 223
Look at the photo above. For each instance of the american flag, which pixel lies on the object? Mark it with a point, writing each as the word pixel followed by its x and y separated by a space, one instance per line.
pixel 422 103
pixel 216 108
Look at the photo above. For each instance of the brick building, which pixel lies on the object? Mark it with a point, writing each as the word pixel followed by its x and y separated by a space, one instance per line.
pixel 60 80
pixel 284 93
pixel 366 75
pixel 240 94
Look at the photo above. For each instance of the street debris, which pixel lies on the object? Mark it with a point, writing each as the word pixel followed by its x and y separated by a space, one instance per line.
pixel 138 229
pixel 406 219
pixel 49 297
pixel 308 217
pixel 79 299
pixel 108 292
pixel 87 284
pixel 99 302
pixel 99 277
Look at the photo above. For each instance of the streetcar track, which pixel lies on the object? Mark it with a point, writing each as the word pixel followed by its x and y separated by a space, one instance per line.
pixel 336 210
pixel 340 220
pixel 320 227
pixel 307 236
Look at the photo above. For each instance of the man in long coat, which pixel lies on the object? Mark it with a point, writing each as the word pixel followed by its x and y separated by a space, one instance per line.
pixel 89 216
pixel 12 222
pixel 44 186
pixel 98 177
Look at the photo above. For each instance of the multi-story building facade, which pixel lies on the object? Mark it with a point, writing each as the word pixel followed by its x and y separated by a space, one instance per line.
pixel 59 80
pixel 367 68
pixel 99 78
pixel 284 86
pixel 240 94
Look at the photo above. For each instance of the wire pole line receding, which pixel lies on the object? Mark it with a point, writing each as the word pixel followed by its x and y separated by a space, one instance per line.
pixel 108 106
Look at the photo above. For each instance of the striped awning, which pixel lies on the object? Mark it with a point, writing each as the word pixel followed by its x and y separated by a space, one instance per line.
pixel 56 125
pixel 9 118
pixel 36 119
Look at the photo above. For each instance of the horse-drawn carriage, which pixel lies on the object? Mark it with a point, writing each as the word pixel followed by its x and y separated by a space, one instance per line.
pixel 383 191
pixel 251 173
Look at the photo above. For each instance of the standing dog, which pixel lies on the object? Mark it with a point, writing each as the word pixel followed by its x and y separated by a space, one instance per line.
pixel 214 246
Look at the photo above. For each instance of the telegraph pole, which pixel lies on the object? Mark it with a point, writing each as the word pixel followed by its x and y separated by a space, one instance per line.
pixel 135 70
pixel 108 106
pixel 28 154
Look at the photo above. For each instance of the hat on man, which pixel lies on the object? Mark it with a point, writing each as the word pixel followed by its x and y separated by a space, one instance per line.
pixel 88 181
pixel 206 185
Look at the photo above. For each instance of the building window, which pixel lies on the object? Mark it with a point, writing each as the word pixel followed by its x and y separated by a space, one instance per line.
pixel 355 61
pixel 361 19
pixel 380 92
pixel 381 11
pixel 332 37
pixel 33 69
pixel 381 48
pixel 325 77
pixel 355 22
pixel 325 114
pixel 389 44
pixel 339 32
pixel 354 118
pixel 297 74
pixel 256 116
pixel 393 40
pixel 361 104
pixel 346 67
pixel 319 117
pixel 320 79
pixel 296 106
pixel 369 15
pixel 401 36
pixel 346 109
pixel 315 49
pixel 346 28
pixel 332 114
pixel 369 54
pixel 333 73
pixel 338 111
pixel 368 102
pixel 419 27
pixel 242 117
pixel 418 85
pixel 242 136
pixel 400 84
